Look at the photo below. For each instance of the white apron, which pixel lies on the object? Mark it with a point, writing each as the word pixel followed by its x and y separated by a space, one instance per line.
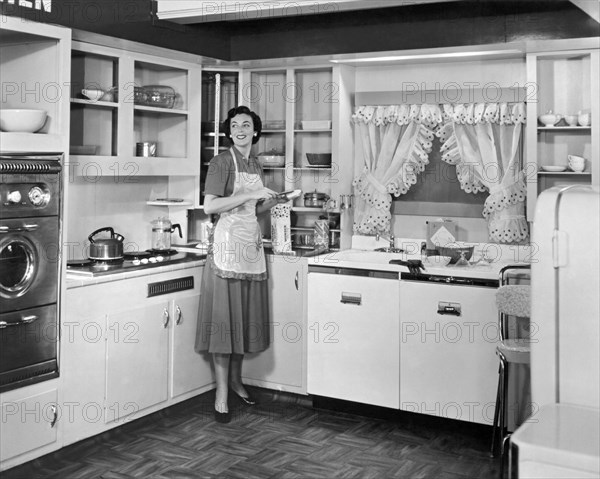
pixel 237 241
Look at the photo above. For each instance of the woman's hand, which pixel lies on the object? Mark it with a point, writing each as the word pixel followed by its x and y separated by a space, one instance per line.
pixel 262 194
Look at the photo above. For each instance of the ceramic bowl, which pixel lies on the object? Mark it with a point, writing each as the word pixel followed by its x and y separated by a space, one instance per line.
pixel 319 159
pixel 22 120
pixel 92 94
pixel 438 261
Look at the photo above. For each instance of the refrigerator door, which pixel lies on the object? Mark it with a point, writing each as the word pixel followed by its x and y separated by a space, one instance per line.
pixel 565 300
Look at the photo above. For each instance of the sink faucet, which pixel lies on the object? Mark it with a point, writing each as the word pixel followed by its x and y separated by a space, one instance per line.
pixel 390 238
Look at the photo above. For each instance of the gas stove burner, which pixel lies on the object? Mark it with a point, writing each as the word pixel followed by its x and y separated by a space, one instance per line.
pixel 162 252
pixel 133 255
pixel 107 262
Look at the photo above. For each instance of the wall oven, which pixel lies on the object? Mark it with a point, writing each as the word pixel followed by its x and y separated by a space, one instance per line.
pixel 30 225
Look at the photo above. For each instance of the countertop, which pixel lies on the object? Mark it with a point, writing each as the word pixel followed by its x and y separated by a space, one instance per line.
pixel 502 255
pixel 191 260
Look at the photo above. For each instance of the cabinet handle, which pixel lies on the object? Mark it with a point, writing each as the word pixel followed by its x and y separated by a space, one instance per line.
pixel 178 310
pixel 24 320
pixel 54 415
pixel 165 318
pixel 296 280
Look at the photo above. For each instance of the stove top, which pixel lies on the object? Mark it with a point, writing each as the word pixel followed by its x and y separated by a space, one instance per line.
pixel 131 262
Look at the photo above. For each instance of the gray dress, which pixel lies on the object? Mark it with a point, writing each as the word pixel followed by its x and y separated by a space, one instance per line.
pixel 234 314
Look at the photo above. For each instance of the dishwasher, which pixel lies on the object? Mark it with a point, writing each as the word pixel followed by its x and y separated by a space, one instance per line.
pixel 448 337
pixel 353 335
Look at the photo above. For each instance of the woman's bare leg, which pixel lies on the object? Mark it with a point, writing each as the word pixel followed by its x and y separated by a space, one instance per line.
pixel 235 375
pixel 221 363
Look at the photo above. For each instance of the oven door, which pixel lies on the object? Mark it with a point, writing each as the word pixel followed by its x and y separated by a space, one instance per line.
pixel 29 256
pixel 28 346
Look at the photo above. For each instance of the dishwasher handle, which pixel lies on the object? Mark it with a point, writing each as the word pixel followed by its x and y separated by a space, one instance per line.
pixel 351 298
pixel 452 309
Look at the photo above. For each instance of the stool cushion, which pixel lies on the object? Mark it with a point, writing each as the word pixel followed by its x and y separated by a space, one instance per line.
pixel 514 300
pixel 515 350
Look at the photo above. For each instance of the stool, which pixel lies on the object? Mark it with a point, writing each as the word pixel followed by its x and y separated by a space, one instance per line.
pixel 511 300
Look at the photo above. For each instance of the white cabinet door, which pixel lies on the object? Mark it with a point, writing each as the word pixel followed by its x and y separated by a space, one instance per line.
pixel 190 370
pixel 353 324
pixel 83 366
pixel 29 420
pixel 137 355
pixel 448 363
pixel 282 365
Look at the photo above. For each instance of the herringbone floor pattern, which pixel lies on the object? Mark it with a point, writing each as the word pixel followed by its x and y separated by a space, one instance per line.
pixel 282 437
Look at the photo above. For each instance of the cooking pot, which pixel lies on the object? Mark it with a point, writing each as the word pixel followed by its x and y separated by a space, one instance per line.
pixel 161 234
pixel 315 199
pixel 106 249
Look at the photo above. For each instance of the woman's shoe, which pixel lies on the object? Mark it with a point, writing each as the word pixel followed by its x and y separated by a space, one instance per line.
pixel 248 400
pixel 222 417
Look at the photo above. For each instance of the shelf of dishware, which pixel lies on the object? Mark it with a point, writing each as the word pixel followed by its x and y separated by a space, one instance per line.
pixel 565 109
pixel 121 99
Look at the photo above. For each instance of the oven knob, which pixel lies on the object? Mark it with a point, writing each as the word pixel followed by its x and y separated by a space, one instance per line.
pixel 14 197
pixel 38 197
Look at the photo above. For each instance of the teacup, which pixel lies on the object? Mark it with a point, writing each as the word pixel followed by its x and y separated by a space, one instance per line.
pixel 571 120
pixel 576 163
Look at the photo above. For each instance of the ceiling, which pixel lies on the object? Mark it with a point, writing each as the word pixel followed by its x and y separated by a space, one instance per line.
pixel 236 32
pixel 203 11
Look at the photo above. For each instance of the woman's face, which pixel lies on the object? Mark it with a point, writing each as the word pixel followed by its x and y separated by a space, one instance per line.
pixel 242 130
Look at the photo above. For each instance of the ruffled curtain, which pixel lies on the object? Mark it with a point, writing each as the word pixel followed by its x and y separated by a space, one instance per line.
pixel 396 141
pixel 483 141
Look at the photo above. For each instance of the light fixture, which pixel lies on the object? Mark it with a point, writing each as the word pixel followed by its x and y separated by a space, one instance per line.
pixel 430 56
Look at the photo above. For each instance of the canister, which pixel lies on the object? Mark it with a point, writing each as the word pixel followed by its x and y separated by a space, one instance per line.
pixel 146 148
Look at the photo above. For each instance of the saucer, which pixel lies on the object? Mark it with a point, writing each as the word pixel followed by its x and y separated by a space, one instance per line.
pixel 553 169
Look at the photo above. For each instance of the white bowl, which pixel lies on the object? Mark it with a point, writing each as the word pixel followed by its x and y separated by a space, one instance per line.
pixel 93 95
pixel 22 120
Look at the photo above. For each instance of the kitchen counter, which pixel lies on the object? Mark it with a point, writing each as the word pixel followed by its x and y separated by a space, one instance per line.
pixel 185 261
pixel 380 261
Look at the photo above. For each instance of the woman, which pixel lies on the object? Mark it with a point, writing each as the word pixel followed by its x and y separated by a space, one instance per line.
pixel 234 316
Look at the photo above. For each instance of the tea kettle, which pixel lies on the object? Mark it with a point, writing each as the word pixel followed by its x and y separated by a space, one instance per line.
pixel 161 234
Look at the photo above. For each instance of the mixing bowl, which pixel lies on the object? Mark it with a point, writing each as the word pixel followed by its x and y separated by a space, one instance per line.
pixel 22 120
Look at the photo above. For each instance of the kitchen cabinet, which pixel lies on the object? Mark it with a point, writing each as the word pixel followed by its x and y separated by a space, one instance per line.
pixel 448 362
pixel 126 352
pixel 354 335
pixel 283 365
pixel 104 132
pixel 564 82
pixel 286 99
pixel 35 66
pixel 137 354
pixel 31 418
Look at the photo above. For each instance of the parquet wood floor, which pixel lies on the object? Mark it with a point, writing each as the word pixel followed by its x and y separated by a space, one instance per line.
pixel 282 437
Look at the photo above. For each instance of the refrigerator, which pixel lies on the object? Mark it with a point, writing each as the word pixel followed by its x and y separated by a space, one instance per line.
pixel 561 437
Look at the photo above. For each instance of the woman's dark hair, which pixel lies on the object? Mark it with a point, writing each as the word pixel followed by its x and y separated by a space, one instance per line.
pixel 238 110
